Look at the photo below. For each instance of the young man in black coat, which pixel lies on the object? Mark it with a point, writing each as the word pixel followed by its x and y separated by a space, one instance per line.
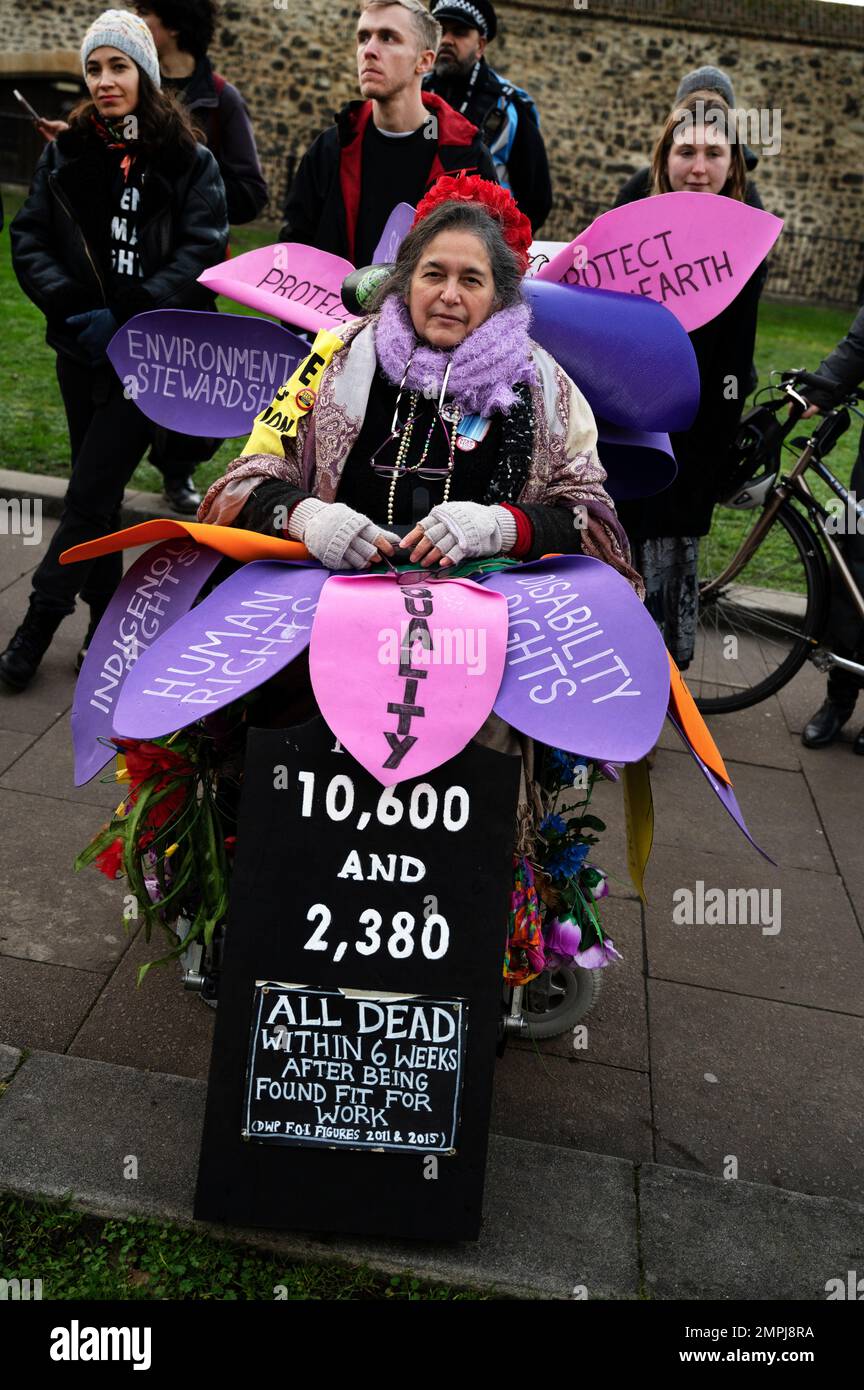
pixel 505 115
pixel 842 370
pixel 385 149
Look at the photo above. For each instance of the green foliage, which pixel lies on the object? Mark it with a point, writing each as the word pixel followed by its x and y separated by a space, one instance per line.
pixel 79 1257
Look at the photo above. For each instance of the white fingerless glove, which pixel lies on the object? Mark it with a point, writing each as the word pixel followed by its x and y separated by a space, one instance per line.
pixel 335 534
pixel 463 530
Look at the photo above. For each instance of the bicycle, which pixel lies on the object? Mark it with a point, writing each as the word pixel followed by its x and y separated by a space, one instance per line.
pixel 763 610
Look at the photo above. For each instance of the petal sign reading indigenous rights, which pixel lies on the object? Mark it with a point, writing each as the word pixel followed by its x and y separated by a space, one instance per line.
pixel 243 633
pixel 154 593
pixel 692 252
pixel 200 373
pixel 405 673
pixel 297 284
pixel 586 666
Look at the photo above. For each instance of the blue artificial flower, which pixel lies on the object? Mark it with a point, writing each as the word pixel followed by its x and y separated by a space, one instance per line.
pixel 554 825
pixel 564 765
pixel 567 861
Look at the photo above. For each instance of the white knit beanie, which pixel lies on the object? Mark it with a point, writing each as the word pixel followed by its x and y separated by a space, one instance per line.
pixel 124 30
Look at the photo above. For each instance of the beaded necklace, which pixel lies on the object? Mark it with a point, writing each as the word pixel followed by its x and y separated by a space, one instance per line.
pixel 401 467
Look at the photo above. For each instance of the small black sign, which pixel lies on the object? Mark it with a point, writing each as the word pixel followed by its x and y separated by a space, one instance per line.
pixel 339 1069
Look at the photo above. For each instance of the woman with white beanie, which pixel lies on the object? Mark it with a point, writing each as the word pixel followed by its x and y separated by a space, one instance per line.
pixel 125 211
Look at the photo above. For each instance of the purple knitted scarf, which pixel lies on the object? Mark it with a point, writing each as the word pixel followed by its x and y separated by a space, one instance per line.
pixel 486 365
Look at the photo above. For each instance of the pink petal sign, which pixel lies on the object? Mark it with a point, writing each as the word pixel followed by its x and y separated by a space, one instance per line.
pixel 405 670
pixel 298 284
pixel 692 252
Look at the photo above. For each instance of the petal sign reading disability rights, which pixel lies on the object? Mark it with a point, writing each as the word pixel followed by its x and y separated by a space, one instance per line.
pixel 692 252
pixel 405 673
pixel 200 373
pixel 153 594
pixel 586 667
pixel 297 284
pixel 243 633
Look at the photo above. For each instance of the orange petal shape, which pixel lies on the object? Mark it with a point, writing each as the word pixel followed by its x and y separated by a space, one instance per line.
pixel 694 725
pixel 229 540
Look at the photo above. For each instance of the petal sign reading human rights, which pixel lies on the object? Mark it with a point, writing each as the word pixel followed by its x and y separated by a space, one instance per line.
pixel 243 633
pixel 629 357
pixel 153 594
pixel 406 673
pixel 692 252
pixel 586 667
pixel 203 374
pixel 297 284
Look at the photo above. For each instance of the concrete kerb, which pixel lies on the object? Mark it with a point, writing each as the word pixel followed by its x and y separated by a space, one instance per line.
pixel 50 491
pixel 558 1223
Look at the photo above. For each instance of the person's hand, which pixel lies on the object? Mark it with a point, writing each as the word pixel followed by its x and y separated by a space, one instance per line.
pixel 96 328
pixel 822 392
pixel 49 130
pixel 338 536
pixel 456 531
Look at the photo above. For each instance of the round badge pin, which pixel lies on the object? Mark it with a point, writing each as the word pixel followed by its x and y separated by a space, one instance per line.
pixel 305 398
pixel 465 444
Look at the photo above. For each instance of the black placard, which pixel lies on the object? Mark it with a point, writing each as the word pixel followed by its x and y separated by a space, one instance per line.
pixel 343 888
pixel 329 1069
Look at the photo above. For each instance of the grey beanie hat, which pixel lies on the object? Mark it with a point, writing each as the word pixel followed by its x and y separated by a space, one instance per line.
pixel 706 79
pixel 124 30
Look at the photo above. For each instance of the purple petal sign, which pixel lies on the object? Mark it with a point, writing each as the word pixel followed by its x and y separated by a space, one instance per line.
pixel 203 374
pixel 157 590
pixel 243 633
pixel 396 228
pixel 724 794
pixel 586 668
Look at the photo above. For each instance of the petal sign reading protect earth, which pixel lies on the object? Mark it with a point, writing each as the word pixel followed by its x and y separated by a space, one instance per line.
pixel 297 284
pixel 586 667
pixel 200 373
pixel 243 633
pixel 153 594
pixel 405 673
pixel 692 252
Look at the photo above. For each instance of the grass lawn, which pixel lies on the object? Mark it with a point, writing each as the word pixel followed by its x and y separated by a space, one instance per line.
pixel 80 1257
pixel 33 432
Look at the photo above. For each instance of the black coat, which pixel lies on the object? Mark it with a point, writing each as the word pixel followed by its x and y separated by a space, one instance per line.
pixel 61 236
pixel 315 208
pixel 222 114
pixel 724 353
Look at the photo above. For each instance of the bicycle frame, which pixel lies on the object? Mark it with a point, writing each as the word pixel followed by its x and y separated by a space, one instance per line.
pixel 795 485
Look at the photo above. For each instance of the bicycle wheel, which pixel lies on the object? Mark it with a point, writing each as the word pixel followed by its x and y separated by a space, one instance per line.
pixel 756 632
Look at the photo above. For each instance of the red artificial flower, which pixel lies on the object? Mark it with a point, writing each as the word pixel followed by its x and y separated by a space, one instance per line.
pixel 110 861
pixel 470 188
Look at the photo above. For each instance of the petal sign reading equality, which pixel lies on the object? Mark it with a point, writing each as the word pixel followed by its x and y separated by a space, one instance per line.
pixel 153 594
pixel 243 633
pixel 405 673
pixel 692 252
pixel 586 667
pixel 297 284
pixel 203 374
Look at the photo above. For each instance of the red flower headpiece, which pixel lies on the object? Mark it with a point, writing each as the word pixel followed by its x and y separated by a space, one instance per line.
pixel 470 188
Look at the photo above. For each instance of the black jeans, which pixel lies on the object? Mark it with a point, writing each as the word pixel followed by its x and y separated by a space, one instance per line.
pixel 845 626
pixel 108 436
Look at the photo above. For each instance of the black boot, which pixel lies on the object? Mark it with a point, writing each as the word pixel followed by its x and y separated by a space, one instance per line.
pixel 96 616
pixel 20 661
pixel 826 724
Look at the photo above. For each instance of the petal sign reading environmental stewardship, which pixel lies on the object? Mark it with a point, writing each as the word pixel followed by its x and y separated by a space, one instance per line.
pixel 692 252
pixel 630 357
pixel 153 594
pixel 405 669
pixel 200 373
pixel 243 633
pixel 297 284
pixel 586 666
